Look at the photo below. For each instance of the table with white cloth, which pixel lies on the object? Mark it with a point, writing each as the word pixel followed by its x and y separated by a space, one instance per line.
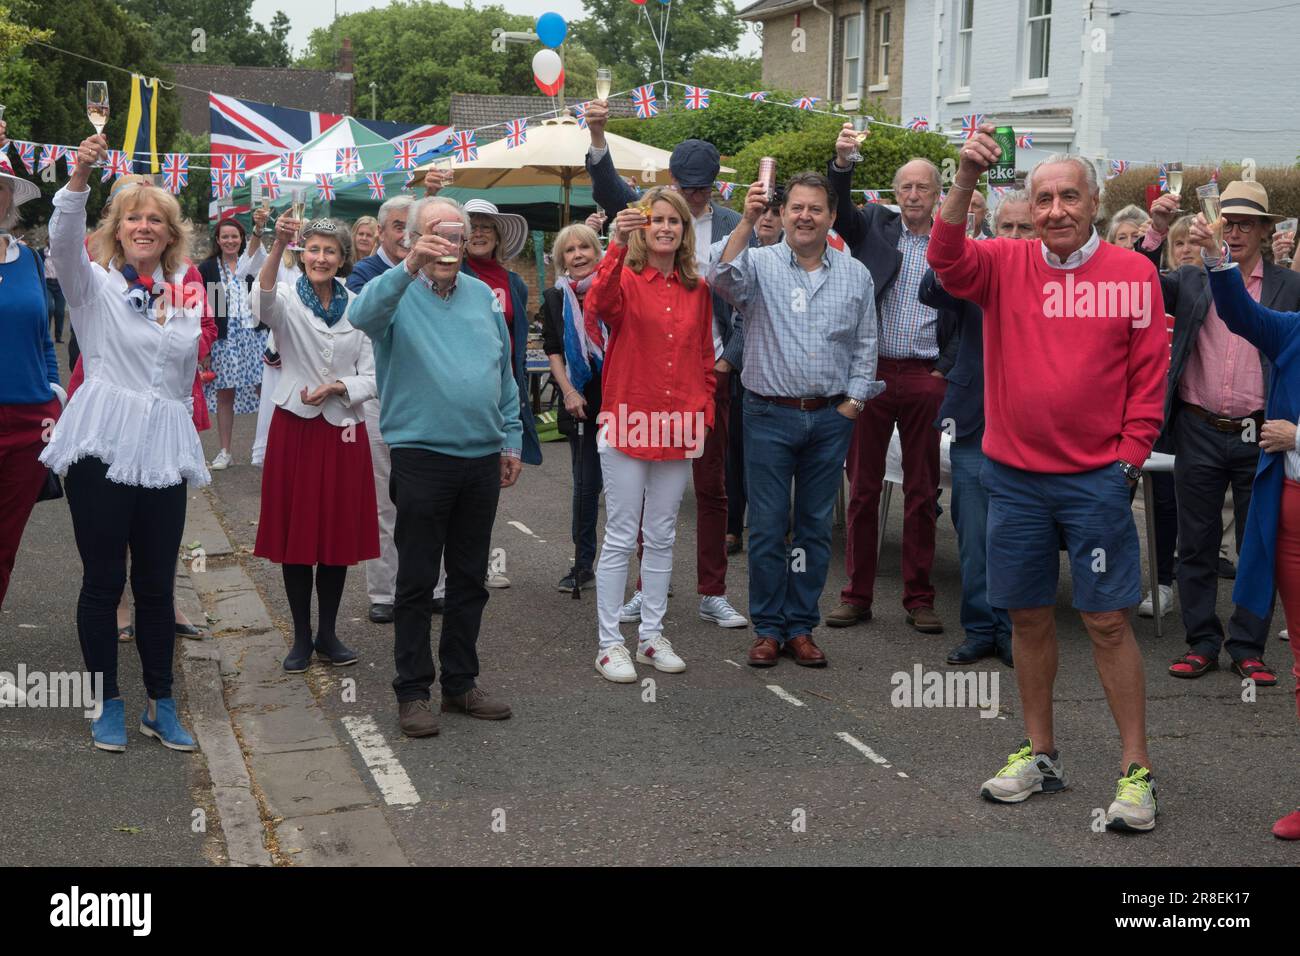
pixel 1158 461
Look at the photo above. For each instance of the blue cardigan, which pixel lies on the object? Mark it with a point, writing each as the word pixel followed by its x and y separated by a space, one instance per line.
pixel 1277 336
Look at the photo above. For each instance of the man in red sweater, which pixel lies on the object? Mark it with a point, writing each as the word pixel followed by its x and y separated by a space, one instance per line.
pixel 1075 360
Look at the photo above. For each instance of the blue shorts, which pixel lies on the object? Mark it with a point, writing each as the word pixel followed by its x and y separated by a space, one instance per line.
pixel 1030 513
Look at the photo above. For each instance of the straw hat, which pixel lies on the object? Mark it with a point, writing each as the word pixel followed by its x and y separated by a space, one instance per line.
pixel 24 189
pixel 1244 198
pixel 512 230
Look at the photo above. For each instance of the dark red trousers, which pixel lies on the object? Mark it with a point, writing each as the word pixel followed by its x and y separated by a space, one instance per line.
pixel 22 439
pixel 911 400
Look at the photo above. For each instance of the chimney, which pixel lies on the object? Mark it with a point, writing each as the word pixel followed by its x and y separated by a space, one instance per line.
pixel 344 74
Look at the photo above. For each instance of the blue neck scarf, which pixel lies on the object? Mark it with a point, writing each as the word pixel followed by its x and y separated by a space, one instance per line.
pixel 338 301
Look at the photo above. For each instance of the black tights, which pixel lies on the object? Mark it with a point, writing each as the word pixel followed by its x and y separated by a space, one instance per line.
pixel 329 593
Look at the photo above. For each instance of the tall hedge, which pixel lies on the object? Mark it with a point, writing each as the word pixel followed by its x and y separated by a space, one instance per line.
pixel 1281 182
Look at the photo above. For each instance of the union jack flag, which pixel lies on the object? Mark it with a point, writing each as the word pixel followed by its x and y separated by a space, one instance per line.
pixel 291 165
pixel 970 124
pixel 697 98
pixel 580 114
pixel 464 146
pixel 218 184
pixel 516 133
pixel 758 96
pixel 725 189
pixel 119 164
pixel 324 186
pixel 873 195
pixel 919 123
pixel 49 155
pixel 407 150
pixel 233 171
pixel 1117 166
pixel 176 172
pixel 1162 178
pixel 270 184
pixel 643 98
pixel 26 154
pixel 1024 141
pixel 805 102
pixel 376 181
pixel 346 160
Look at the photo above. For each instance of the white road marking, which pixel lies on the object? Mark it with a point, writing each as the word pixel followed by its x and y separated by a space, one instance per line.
pixel 522 527
pixel 389 774
pixel 731 662
pixel 785 695
pixel 862 748
pixel 901 774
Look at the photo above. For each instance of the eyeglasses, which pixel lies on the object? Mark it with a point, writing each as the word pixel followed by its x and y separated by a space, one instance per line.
pixel 694 190
pixel 1241 225
pixel 482 227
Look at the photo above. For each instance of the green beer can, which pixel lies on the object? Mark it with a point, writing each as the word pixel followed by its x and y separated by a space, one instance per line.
pixel 1003 172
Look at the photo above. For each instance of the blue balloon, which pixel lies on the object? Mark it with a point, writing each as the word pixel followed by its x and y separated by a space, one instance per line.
pixel 551 29
pixel 665 2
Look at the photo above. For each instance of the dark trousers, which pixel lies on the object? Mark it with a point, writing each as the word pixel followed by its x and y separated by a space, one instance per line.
pixel 445 510
pixel 737 496
pixel 587 483
pixel 107 520
pixel 1207 463
pixel 22 439
pixel 709 474
pixel 60 306
pixel 1165 497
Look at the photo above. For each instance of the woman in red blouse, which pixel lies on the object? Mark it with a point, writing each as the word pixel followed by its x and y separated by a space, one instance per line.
pixel 657 407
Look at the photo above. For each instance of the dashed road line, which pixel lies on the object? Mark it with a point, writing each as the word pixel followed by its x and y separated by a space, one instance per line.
pixel 383 764
pixel 785 695
pixel 863 749
pixel 522 527
pixel 731 662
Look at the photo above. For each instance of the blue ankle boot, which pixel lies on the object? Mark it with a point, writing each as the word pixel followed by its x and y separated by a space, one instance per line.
pixel 109 729
pixel 166 726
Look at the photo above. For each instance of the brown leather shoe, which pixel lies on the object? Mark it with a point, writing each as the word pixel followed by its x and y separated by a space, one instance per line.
pixel 764 652
pixel 804 651
pixel 417 719
pixel 476 704
pixel 847 615
pixel 925 620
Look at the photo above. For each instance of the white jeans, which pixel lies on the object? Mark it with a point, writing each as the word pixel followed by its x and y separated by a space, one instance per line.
pixel 381 572
pixel 270 379
pixel 628 483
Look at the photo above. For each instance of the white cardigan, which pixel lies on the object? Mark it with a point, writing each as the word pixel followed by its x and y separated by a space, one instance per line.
pixel 313 354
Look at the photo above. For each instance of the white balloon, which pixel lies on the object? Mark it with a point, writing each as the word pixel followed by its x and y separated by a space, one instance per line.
pixel 547 66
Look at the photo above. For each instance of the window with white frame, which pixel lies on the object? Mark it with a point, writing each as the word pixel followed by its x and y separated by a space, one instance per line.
pixel 965 27
pixel 882 47
pixel 851 44
pixel 1038 39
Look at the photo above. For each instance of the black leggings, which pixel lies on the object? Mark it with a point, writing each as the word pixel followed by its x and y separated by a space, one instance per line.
pixel 107 519
pixel 329 594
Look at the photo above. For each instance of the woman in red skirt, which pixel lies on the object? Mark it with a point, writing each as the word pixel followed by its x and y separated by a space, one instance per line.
pixel 318 490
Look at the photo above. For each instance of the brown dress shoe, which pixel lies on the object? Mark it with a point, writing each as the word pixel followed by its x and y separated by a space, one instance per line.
pixel 804 651
pixel 847 614
pixel 764 652
pixel 476 704
pixel 925 620
pixel 417 719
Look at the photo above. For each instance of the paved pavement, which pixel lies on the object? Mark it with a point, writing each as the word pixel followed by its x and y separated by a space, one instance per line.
pixel 722 764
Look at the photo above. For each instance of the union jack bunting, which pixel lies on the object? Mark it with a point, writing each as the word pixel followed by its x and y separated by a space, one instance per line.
pixel 697 98
pixel 176 172
pixel 218 184
pixel 919 123
pixel 643 98
pixel 407 150
pixel 516 133
pixel 805 102
pixel 270 184
pixel 463 145
pixel 758 96
pixel 234 169
pixel 1025 141
pixel 291 165
pixel 26 154
pixel 725 189
pixel 324 186
pixel 49 154
pixel 970 124
pixel 873 195
pixel 376 181
pixel 119 164
pixel 1162 178
pixel 1117 166
pixel 580 114
pixel 346 160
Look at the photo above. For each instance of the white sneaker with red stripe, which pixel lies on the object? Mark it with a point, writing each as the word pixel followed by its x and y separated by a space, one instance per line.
pixel 614 663
pixel 660 653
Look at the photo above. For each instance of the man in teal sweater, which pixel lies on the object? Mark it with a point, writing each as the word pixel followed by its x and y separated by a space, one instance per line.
pixel 450 414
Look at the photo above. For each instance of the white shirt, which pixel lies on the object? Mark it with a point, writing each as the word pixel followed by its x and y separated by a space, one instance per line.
pixel 1075 259
pixel 314 354
pixel 134 410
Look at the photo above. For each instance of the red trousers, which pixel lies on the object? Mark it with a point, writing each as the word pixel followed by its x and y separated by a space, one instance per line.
pixel 911 400
pixel 1287 570
pixel 22 439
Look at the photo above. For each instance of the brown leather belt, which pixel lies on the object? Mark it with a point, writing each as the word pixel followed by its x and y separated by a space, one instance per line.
pixel 1219 423
pixel 803 404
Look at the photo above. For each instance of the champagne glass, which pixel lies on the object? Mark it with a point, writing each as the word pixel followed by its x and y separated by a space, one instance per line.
pixel 1287 225
pixel 453 232
pixel 1209 198
pixel 297 206
pixel 860 127
pixel 1174 177
pixel 446 167
pixel 2 111
pixel 604 81
pixel 97 104
pixel 255 193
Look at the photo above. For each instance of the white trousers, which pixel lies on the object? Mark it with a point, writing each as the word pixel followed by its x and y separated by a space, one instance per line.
pixel 270 379
pixel 381 572
pixel 630 482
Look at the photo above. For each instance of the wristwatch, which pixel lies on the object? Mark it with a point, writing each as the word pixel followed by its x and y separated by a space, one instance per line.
pixel 857 403
pixel 1131 472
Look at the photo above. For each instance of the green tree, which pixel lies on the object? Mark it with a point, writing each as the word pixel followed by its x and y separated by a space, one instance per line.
pixel 617 33
pixel 734 74
pixel 213 31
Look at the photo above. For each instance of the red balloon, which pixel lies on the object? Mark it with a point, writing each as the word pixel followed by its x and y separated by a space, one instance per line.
pixel 639 3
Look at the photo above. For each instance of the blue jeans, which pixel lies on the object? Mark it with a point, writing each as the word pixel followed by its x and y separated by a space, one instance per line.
pixel 981 621
pixel 808 448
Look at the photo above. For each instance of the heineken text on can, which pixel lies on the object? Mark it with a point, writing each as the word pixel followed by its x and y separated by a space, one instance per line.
pixel 767 175
pixel 1003 172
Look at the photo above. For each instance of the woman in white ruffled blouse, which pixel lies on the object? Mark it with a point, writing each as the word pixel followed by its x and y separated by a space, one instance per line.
pixel 126 442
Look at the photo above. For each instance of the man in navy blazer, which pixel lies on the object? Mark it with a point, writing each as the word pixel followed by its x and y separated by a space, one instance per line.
pixel 961 417
pixel 694 168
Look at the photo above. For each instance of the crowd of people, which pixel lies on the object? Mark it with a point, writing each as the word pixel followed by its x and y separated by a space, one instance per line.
pixel 754 355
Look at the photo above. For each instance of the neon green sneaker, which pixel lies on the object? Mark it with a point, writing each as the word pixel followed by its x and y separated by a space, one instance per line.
pixel 1135 802
pixel 1025 774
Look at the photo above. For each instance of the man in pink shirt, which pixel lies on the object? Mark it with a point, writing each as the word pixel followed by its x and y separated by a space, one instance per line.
pixel 1214 413
pixel 1074 359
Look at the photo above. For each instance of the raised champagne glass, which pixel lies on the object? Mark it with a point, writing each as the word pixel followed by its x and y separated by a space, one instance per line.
pixel 1174 177
pixel 297 206
pixel 97 104
pixel 1209 198
pixel 604 82
pixel 1287 225
pixel 453 232
pixel 859 127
